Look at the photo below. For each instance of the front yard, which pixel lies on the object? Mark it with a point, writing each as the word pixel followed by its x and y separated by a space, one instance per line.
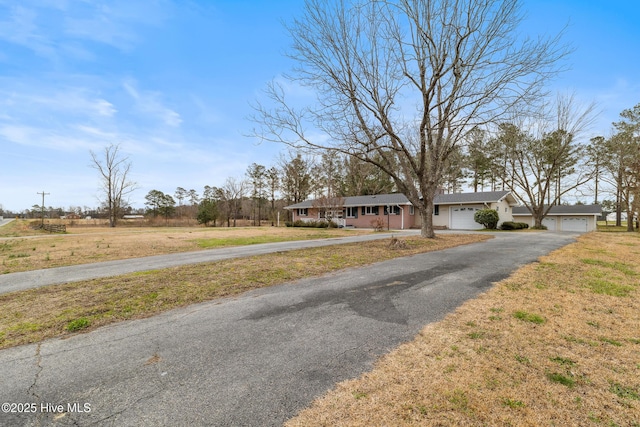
pixel 557 343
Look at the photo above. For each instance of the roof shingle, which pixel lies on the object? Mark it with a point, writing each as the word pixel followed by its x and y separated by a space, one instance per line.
pixel 401 199
pixel 564 210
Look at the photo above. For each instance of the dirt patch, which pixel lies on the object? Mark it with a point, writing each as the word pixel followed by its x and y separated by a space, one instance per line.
pixel 557 343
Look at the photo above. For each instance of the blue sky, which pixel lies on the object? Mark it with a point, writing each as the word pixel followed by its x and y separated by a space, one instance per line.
pixel 172 82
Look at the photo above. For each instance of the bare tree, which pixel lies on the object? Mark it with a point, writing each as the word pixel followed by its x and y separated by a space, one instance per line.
pixel 545 159
pixel 234 191
pixel 330 207
pixel 114 172
pixel 400 84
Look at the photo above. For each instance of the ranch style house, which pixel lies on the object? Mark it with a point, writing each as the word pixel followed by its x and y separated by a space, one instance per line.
pixel 451 211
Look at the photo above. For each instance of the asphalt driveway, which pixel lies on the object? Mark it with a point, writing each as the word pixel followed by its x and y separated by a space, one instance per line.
pixel 257 359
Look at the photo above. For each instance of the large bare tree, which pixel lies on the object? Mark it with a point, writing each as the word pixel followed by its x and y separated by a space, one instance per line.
pixel 399 84
pixel 544 157
pixel 114 169
pixel 234 191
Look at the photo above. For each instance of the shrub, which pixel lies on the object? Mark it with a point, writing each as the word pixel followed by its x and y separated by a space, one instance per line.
pixel 488 218
pixel 377 224
pixel 510 225
pixel 311 224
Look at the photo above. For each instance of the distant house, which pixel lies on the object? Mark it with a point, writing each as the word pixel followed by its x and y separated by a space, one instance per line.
pixel 580 218
pixel 454 211
pixel 133 217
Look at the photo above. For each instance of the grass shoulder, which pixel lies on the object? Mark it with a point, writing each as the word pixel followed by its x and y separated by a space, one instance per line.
pixel 33 315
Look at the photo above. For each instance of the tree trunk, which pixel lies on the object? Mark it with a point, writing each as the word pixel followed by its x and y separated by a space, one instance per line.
pixel 427 220
pixel 537 215
pixel 538 221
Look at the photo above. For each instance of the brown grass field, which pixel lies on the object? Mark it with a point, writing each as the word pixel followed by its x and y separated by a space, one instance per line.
pixel 23 249
pixel 555 344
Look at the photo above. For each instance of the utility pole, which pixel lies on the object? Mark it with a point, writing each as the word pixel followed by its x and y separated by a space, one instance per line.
pixel 42 213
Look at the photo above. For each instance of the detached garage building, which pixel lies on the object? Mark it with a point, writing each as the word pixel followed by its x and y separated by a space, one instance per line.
pixel 579 218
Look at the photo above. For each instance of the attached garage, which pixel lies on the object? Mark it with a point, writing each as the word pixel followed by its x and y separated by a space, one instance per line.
pixel 462 217
pixel 571 223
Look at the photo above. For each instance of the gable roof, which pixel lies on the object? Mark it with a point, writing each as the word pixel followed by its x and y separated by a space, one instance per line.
pixel 480 197
pixel 375 200
pixel 564 210
pixel 400 199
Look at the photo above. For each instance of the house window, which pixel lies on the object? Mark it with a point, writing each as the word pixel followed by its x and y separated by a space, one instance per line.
pixel 303 212
pixel 436 209
pixel 412 210
pixel 352 212
pixel 329 213
pixel 369 210
pixel 392 210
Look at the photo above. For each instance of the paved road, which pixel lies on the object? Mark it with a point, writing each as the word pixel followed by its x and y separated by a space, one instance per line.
pixel 257 359
pixel 51 276
pixel 6 221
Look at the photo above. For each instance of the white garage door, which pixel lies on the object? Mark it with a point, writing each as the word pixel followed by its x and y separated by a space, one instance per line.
pixel 550 223
pixel 462 218
pixel 574 224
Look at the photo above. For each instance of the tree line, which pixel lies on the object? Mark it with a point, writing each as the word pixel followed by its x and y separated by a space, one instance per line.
pixel 541 166
pixel 263 191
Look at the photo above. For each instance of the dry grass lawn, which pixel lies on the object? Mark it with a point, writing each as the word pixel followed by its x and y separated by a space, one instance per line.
pixel 32 250
pixel 556 344
pixel 36 314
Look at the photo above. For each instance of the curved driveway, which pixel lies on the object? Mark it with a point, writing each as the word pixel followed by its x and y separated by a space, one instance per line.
pixel 259 358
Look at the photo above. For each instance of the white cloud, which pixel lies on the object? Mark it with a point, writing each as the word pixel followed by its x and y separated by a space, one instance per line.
pixel 27 101
pixel 206 114
pixel 56 28
pixel 52 139
pixel 149 103
pixel 21 28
